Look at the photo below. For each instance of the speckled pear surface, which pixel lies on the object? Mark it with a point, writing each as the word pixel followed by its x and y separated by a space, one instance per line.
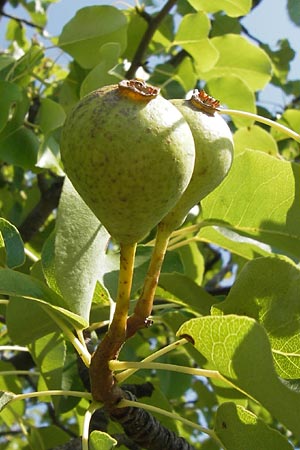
pixel 130 160
pixel 214 154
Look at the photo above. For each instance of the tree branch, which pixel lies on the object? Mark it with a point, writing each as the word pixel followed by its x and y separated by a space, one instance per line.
pixel 153 24
pixel 20 20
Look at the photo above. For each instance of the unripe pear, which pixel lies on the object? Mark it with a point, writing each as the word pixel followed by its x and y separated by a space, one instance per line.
pixel 214 153
pixel 130 155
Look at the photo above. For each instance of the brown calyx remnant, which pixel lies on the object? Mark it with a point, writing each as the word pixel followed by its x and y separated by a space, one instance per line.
pixel 201 100
pixel 138 89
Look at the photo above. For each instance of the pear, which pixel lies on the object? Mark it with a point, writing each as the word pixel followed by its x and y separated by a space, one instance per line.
pixel 130 155
pixel 214 153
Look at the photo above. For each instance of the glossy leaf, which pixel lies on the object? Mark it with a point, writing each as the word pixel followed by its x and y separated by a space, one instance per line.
pixel 89 29
pixel 11 246
pixel 238 347
pixel 239 58
pixel 99 439
pixel 255 138
pixel 269 290
pixel 79 243
pixel 239 429
pixel 259 199
pixel 234 8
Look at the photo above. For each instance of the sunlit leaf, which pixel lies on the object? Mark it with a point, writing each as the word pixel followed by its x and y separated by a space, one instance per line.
pixel 239 429
pixel 239 58
pixel 99 439
pixel 238 347
pixel 234 8
pixel 83 36
pixel 255 138
pixel 259 199
pixel 5 398
pixel 10 94
pixel 51 115
pixel 269 290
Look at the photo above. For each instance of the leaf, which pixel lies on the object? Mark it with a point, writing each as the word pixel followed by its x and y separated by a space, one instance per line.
pixel 25 286
pixel 192 36
pixel 12 245
pixel 10 94
pixel 79 245
pixel 29 330
pixel 239 58
pixel 239 429
pixel 99 439
pixel 235 93
pixel 259 199
pixel 5 399
pixel 229 240
pixel 255 138
pixel 91 27
pixel 291 119
pixel 233 8
pixel 50 116
pixel 293 11
pixel 186 292
pixel 239 349
pixel 269 290
pixel 100 76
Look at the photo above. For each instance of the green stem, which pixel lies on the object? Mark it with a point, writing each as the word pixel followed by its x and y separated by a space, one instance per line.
pixel 80 348
pixel 52 393
pixel 121 365
pixel 8 373
pixel 278 126
pixel 86 425
pixel 103 384
pixel 14 348
pixel 121 377
pixel 142 311
pixel 129 403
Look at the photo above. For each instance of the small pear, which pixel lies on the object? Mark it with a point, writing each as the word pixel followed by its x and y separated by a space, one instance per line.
pixel 130 154
pixel 214 153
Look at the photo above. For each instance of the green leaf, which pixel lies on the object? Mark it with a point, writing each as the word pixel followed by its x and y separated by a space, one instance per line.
pixel 269 289
pixel 21 285
pixel 30 329
pixel 51 115
pixel 238 347
pixel 49 354
pixel 12 245
pixel 266 207
pixel 239 429
pixel 10 94
pixel 255 138
pixel 235 94
pixel 291 119
pixel 233 8
pixel 293 11
pixel 100 76
pixel 5 398
pixel 99 439
pixel 83 36
pixel 186 292
pixel 79 245
pixel 239 58
pixel 193 261
pixel 229 240
pixel 192 36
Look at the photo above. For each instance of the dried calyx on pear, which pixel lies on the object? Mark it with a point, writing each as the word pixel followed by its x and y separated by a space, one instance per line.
pixel 214 152
pixel 130 154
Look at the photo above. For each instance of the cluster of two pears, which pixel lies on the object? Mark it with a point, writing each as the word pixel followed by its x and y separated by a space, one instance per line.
pixel 138 159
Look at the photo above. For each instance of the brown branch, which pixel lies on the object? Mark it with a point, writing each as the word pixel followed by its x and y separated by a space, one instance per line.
pixel 153 25
pixel 37 217
pixel 20 20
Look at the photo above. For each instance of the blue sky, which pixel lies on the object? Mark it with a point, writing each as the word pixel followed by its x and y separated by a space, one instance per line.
pixel 269 22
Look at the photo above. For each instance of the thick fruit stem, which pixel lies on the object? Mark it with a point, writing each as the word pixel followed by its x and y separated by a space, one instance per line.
pixel 140 317
pixel 103 386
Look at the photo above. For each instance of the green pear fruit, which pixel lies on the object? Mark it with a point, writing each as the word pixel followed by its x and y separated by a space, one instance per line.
pixel 130 155
pixel 214 153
